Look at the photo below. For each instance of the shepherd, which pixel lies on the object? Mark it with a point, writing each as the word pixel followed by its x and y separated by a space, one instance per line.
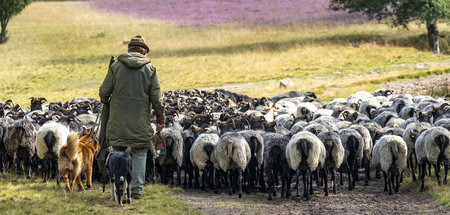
pixel 131 88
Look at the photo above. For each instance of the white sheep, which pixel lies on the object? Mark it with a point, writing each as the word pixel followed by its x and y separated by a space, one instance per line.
pixel 335 156
pixel 432 146
pixel 412 131
pixel 390 153
pixel 49 139
pixel 202 156
pixel 305 153
pixel 233 152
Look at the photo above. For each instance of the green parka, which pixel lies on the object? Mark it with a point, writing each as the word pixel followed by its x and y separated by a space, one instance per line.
pixel 132 89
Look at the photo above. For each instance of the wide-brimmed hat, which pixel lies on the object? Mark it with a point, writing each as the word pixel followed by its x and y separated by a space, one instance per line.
pixel 138 40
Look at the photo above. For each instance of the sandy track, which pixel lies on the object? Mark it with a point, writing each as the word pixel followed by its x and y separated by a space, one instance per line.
pixel 362 200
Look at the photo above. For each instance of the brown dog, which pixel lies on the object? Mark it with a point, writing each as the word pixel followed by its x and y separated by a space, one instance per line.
pixel 77 157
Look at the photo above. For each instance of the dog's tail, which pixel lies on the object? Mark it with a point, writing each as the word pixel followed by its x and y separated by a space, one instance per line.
pixel 72 145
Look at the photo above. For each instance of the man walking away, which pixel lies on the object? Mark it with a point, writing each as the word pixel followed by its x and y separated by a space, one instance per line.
pixel 131 87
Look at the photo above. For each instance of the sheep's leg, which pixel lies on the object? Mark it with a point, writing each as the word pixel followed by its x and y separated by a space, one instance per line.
pixel 211 178
pixel 377 173
pixel 19 168
pixel 1 163
pixel 270 183
pixel 257 178
pixel 44 169
pixel 325 177
pixel 389 178
pixel 333 179
pixel 288 183
pixel 341 172
pixel 316 177
pixel 216 186
pixel 249 180
pixel 196 173
pixel 429 169
pixel 203 179
pixel 411 165
pixel 283 184
pixel 397 182
pixel 385 181
pixel 297 173
pixel 262 183
pixel 437 171
pixel 367 168
pixel 240 180
pixel 275 173
pixel 28 165
pixel 446 164
pixel 355 167
pixel 422 169
pixel 171 173
pixel 308 181
pixel 229 182
pixel 349 173
pixel 178 175
pixel 128 192
pixel 164 174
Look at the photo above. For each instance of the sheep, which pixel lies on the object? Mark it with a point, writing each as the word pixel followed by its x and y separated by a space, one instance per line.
pixel 233 152
pixel 188 141
pixel 322 112
pixel 383 92
pixel 305 111
pixel 368 144
pixel 389 154
pixel 335 155
pixel 328 121
pixel 202 156
pixel 20 140
pixel 305 153
pixel 298 126
pixel 369 106
pixel 353 144
pixel 49 139
pixel 275 161
pixel 315 128
pixel 433 146
pixel 36 103
pixel 256 143
pixel 173 156
pixel 412 131
pixel 443 123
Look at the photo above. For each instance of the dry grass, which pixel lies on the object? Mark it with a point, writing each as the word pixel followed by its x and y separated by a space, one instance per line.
pixel 60 50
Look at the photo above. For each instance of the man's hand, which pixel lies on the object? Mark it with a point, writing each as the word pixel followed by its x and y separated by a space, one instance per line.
pixel 159 127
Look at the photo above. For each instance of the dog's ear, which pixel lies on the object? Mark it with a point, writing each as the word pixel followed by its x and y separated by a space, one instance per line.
pixel 85 131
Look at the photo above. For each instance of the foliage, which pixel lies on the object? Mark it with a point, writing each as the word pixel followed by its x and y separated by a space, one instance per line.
pixel 9 8
pixel 402 12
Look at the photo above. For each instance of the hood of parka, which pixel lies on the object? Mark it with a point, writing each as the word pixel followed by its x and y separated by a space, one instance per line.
pixel 134 60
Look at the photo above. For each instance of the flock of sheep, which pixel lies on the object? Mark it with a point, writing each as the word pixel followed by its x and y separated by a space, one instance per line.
pixel 252 144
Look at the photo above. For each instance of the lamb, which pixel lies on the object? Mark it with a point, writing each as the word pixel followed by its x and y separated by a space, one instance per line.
pixel 173 156
pixel 390 153
pixel 49 139
pixel 20 140
pixel 233 152
pixel 433 146
pixel 335 155
pixel 275 161
pixel 305 153
pixel 353 144
pixel 412 131
pixel 202 156
pixel 256 143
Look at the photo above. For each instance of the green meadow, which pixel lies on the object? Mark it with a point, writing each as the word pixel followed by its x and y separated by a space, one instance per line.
pixel 61 50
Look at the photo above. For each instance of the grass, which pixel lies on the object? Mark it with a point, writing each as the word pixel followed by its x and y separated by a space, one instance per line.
pixel 31 196
pixel 440 193
pixel 60 50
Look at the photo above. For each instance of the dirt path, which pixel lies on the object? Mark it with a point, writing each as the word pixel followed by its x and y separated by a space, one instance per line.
pixel 362 200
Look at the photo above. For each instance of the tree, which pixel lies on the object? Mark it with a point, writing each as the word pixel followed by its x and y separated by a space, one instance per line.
pixel 402 12
pixel 9 8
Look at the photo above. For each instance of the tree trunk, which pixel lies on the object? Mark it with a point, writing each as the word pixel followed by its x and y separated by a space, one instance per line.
pixel 3 33
pixel 433 37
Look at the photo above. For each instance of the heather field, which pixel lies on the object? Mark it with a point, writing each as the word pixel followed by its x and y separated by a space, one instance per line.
pixel 236 12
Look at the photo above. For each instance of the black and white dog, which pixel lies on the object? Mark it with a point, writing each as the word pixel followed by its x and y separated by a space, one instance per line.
pixel 119 168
